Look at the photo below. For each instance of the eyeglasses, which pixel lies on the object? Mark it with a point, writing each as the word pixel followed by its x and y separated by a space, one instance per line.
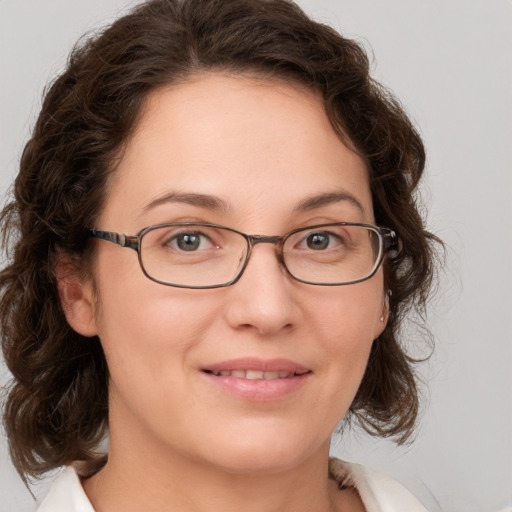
pixel 202 255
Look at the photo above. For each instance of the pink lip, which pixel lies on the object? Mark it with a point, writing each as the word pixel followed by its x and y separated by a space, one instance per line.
pixel 261 365
pixel 258 390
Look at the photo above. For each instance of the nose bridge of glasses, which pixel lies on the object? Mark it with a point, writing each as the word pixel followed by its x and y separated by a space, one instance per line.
pixel 264 239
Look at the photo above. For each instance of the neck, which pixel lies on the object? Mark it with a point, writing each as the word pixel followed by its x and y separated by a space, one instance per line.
pixel 173 482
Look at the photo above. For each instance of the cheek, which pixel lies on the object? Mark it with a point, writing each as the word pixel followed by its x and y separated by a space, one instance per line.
pixel 149 348
pixel 350 314
pixel 347 324
pixel 145 328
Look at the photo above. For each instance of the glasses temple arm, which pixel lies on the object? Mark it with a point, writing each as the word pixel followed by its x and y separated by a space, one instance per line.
pixel 392 243
pixel 121 239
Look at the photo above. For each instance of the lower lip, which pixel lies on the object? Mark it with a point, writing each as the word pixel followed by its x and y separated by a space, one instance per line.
pixel 259 390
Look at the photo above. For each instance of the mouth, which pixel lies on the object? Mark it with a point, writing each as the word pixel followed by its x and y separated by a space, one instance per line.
pixel 257 374
pixel 258 380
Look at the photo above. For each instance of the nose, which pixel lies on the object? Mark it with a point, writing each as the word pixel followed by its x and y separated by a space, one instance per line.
pixel 264 299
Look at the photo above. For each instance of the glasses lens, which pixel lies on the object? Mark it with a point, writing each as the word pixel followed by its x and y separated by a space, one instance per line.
pixel 192 255
pixel 333 254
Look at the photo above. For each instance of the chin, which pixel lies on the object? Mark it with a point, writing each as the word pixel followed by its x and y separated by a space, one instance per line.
pixel 258 453
pixel 258 463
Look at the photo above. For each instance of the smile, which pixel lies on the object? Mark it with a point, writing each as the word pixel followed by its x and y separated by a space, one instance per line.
pixel 257 374
pixel 258 380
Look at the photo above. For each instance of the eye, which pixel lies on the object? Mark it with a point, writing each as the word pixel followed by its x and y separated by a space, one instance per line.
pixel 321 240
pixel 190 241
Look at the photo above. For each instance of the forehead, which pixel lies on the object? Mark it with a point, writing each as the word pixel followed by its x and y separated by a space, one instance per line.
pixel 253 143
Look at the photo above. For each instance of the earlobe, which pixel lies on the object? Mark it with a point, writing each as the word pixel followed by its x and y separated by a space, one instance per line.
pixel 76 297
pixel 384 315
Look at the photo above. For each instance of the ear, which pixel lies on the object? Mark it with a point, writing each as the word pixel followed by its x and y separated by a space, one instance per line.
pixel 76 296
pixel 384 315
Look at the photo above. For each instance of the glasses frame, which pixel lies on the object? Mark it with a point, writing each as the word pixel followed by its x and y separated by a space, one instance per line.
pixel 388 242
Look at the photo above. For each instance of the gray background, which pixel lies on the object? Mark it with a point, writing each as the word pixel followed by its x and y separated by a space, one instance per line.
pixel 449 62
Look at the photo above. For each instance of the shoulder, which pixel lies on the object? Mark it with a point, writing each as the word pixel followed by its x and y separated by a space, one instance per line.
pixel 66 495
pixel 378 492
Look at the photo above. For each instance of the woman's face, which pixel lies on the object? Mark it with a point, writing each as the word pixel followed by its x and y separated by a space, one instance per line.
pixel 246 154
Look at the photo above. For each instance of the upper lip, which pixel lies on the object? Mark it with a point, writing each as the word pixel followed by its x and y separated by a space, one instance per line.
pixel 262 365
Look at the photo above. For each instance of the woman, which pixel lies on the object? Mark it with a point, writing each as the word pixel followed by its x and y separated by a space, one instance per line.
pixel 267 184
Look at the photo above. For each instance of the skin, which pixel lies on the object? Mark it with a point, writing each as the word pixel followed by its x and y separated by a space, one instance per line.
pixel 261 147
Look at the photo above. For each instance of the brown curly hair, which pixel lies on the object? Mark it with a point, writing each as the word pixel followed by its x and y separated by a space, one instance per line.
pixel 57 409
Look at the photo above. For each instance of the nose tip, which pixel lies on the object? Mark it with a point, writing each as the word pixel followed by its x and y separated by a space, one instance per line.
pixel 263 299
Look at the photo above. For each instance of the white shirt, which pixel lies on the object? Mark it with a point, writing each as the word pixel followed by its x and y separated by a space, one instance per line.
pixel 378 492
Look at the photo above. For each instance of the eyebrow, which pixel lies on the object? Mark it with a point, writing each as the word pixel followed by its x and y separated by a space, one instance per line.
pixel 217 204
pixel 206 201
pixel 317 201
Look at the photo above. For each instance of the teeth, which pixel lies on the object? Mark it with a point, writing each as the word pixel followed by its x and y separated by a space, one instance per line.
pixel 253 374
pixel 256 374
